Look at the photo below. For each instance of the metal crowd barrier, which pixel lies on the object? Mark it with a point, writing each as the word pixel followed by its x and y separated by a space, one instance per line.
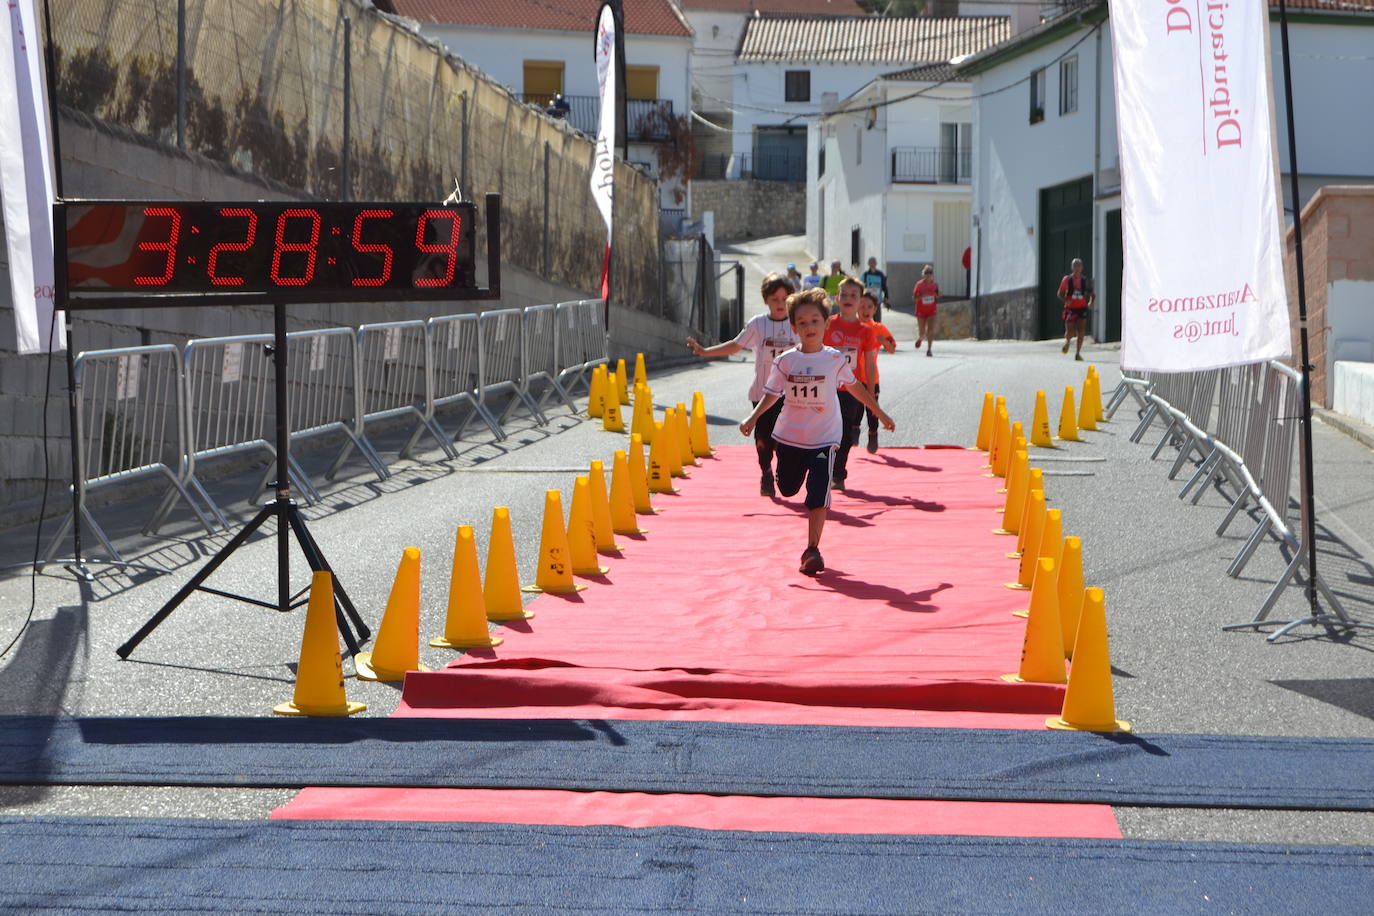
pixel 395 379
pixel 541 353
pixel 456 372
pixel 322 393
pixel 1131 387
pixel 164 410
pixel 229 409
pixel 500 341
pixel 130 422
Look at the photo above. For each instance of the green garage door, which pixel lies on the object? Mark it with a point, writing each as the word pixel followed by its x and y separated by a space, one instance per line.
pixel 1066 232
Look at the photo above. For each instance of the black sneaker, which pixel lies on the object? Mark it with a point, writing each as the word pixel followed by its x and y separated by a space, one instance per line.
pixel 811 562
pixel 873 442
pixel 766 484
pixel 837 483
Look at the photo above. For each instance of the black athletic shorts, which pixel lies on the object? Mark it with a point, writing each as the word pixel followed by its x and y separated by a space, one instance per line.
pixel 763 429
pixel 809 465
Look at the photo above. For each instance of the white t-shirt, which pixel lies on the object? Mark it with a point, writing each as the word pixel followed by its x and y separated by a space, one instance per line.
pixel 809 384
pixel 768 339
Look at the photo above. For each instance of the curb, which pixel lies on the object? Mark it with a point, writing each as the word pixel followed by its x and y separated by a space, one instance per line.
pixel 1360 432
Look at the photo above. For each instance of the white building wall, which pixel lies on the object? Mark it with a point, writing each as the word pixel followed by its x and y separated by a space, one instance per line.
pixel 761 86
pixel 713 57
pixel 1333 74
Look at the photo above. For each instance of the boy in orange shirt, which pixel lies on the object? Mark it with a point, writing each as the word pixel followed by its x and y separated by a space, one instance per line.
pixel 868 308
pixel 859 344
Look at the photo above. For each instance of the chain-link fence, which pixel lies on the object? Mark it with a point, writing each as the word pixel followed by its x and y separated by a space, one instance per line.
pixel 272 88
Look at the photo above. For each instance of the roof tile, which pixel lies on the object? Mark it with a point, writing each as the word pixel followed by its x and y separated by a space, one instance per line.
pixel 870 40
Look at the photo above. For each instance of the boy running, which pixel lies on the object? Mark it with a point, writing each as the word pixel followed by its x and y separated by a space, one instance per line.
pixel 859 344
pixel 868 308
pixel 768 335
pixel 810 427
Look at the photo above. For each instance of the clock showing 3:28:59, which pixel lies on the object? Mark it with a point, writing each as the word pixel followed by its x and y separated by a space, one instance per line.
pixel 291 251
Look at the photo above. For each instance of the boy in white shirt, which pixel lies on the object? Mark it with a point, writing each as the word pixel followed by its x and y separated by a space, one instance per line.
pixel 768 335
pixel 809 429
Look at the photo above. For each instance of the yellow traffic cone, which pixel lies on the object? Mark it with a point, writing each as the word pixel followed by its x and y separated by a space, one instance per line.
pixel 554 573
pixel 684 437
pixel 660 469
pixel 596 393
pixel 998 407
pixel 465 625
pixel 611 420
pixel 1088 702
pixel 641 377
pixel 1007 448
pixel 623 519
pixel 1016 493
pixel 1092 388
pixel 701 436
pixel 622 386
pixel 672 452
pixel 1042 652
pixel 582 532
pixel 1035 480
pixel 1087 414
pixel 1070 591
pixel 1051 546
pixel 319 674
pixel 1068 426
pixel 396 649
pixel 1040 424
pixel 1001 441
pixel 1034 523
pixel 601 510
pixel 501 592
pixel 639 478
pixel 642 421
pixel 984 437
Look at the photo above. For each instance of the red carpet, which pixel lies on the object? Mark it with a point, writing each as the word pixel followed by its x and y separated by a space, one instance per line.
pixel 707 618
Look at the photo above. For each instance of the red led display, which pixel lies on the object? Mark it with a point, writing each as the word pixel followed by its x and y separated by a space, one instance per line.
pixel 258 250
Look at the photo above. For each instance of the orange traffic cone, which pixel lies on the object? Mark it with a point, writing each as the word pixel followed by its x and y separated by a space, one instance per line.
pixel 672 451
pixel 1001 441
pixel 1070 591
pixel 999 405
pixel 596 392
pixel 660 470
pixel 502 591
pixel 319 675
pixel 1042 652
pixel 984 437
pixel 1088 702
pixel 622 385
pixel 465 626
pixel 1051 546
pixel 1016 493
pixel 623 519
pixel 554 574
pixel 701 436
pixel 1007 448
pixel 1068 426
pixel 1040 423
pixel 601 510
pixel 397 647
pixel 1095 381
pixel 582 532
pixel 1035 480
pixel 1087 413
pixel 642 418
pixel 641 377
pixel 684 437
pixel 611 421
pixel 639 478
pixel 1034 524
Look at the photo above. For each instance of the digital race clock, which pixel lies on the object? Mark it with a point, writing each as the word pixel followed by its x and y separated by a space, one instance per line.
pixel 157 253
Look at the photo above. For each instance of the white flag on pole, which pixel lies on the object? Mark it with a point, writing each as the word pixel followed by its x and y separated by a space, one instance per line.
pixel 603 169
pixel 26 176
pixel 1203 283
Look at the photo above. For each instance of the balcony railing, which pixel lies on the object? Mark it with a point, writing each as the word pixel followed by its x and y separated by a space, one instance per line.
pixel 584 114
pixel 762 166
pixel 931 165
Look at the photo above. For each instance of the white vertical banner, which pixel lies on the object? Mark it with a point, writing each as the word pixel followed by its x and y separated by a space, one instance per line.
pixel 26 176
pixel 1203 284
pixel 603 169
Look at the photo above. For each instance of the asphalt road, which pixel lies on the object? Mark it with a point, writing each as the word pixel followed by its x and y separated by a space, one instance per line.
pixel 1157 557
